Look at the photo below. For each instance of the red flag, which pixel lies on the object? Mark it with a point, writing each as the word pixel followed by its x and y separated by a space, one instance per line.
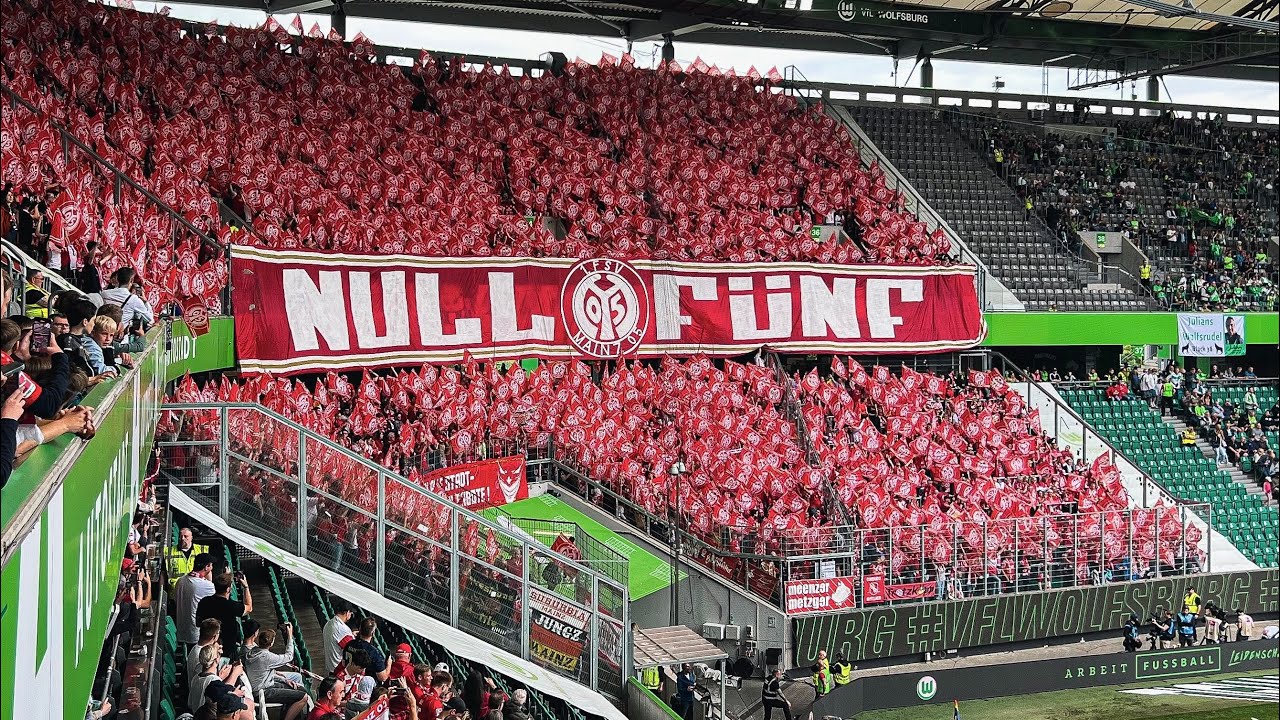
pixel 297 23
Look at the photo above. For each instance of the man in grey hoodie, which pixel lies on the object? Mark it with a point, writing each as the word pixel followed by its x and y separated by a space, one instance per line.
pixel 260 665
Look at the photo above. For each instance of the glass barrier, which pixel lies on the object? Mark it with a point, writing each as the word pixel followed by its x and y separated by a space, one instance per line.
pixel 271 478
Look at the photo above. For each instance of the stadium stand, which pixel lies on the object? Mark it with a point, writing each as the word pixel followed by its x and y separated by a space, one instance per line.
pixel 1145 438
pixel 1197 195
pixel 961 446
pixel 710 175
pixel 1018 249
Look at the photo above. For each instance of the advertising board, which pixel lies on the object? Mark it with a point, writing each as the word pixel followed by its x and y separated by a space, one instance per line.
pixel 953 625
pixel 910 689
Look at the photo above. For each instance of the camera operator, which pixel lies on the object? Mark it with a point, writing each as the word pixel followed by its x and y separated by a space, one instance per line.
pixel 1214 623
pixel 1244 625
pixel 1131 641
pixel 1162 630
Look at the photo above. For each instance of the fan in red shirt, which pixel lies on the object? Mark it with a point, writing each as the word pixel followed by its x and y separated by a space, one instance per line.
pixel 329 698
pixel 402 669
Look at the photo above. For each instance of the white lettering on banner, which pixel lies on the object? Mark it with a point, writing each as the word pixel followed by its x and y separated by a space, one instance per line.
pixel 506 326
pixel 311 308
pixel 666 300
pixel 38 681
pixel 742 308
pixel 430 322
pixel 436 310
pixel 394 310
pixel 822 308
pixel 880 318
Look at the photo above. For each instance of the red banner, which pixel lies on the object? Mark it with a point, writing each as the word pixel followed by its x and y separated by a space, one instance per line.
pixel 304 311
pixel 481 484
pixel 912 591
pixel 872 589
pixel 826 595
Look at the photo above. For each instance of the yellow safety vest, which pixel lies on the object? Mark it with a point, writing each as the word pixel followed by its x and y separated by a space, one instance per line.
pixel 842 672
pixel 1146 272
pixel 1192 601
pixel 179 564
pixel 36 312
pixel 650 679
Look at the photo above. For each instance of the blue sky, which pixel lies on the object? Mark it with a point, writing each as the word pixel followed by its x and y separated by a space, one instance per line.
pixel 817 66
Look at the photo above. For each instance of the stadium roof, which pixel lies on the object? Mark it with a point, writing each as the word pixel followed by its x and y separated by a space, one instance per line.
pixel 1110 39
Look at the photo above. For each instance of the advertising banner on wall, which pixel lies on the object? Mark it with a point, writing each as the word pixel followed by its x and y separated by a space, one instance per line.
pixel 822 595
pixel 304 311
pixel 481 484
pixel 1211 335
pixel 58 586
pixel 558 631
pixel 1197 664
pixel 977 622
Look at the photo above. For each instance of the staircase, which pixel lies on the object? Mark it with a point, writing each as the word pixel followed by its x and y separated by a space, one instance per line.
pixel 1138 431
pixel 1179 425
pixel 476 625
pixel 1019 250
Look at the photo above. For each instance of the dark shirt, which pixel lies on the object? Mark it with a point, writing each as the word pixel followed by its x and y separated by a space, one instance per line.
pixel 684 687
pixel 8 447
pixel 90 280
pixel 377 661
pixel 53 386
pixel 772 691
pixel 228 612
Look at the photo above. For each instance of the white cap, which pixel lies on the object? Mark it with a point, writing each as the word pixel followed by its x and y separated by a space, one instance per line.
pixel 441 667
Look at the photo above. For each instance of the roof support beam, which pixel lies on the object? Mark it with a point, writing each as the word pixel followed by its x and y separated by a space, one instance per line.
pixel 670 23
pixel 283 7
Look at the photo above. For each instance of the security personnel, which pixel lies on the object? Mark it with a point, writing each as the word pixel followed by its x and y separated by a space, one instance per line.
pixel 822 674
pixel 771 697
pixel 651 678
pixel 1192 601
pixel 841 671
pixel 37 300
pixel 1144 274
pixel 181 558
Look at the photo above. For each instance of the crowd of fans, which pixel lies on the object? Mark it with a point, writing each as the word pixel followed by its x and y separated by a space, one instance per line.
pixel 1211 227
pixel 1240 433
pixel 55 353
pixel 231 662
pixel 912 450
pixel 319 146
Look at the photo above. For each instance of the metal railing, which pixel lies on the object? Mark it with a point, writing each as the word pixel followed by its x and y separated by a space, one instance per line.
pixel 117 177
pixel 951 561
pixel 270 477
pixel 1067 422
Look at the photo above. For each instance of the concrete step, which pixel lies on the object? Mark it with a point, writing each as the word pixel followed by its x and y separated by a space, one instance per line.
pixel 264 608
pixel 310 628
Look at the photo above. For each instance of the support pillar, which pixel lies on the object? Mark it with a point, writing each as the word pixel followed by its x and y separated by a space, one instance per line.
pixel 338 19
pixel 1153 88
pixel 926 73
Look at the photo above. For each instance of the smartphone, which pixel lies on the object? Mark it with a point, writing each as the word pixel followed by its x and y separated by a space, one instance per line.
pixel 41 332
pixel 12 375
